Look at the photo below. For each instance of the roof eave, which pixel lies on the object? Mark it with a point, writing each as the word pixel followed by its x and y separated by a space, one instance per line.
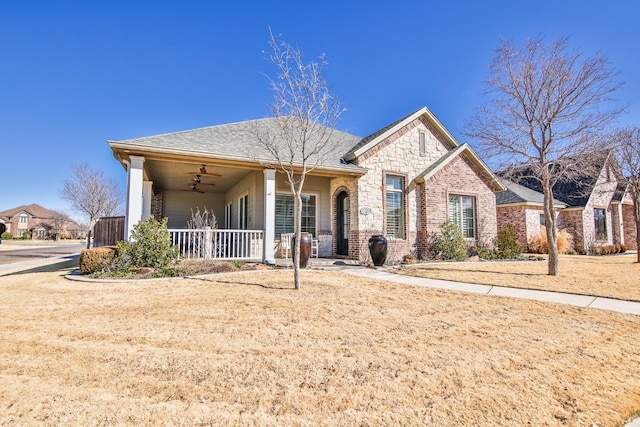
pixel 122 150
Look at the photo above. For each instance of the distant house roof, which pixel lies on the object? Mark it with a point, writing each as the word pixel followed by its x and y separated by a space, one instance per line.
pixel 517 194
pixel 33 209
pixel 576 190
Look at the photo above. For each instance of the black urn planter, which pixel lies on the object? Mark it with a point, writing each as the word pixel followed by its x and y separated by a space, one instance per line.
pixel 378 250
pixel 305 249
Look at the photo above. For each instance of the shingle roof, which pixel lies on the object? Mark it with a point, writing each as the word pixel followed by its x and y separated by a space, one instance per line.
pixel 234 139
pixel 518 194
pixel 574 191
pixel 33 209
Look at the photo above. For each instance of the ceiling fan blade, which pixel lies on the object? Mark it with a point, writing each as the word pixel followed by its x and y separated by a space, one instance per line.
pixel 203 171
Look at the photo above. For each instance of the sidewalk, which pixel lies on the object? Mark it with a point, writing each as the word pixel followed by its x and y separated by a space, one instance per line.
pixel 620 306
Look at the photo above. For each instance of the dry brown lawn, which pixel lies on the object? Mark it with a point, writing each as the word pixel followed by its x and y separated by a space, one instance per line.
pixel 246 349
pixel 613 276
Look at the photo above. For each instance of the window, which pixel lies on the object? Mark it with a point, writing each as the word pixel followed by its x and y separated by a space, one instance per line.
pixel 227 216
pixel 395 207
pixel 243 212
pixel 600 221
pixel 24 218
pixel 423 143
pixel 543 221
pixel 462 212
pixel 285 214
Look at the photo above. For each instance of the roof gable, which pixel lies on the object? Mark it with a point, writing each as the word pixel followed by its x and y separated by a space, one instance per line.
pixel 367 143
pixel 466 150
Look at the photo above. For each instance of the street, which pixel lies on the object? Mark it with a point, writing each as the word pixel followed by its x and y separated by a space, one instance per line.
pixel 9 256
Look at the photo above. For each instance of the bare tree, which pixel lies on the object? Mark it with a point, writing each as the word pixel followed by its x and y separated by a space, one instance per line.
pixel 91 193
pixel 299 137
pixel 627 146
pixel 58 221
pixel 546 107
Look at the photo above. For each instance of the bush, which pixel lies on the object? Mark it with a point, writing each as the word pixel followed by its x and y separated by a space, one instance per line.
pixel 507 245
pixel 97 259
pixel 6 236
pixel 150 246
pixel 607 249
pixel 450 245
pixel 538 243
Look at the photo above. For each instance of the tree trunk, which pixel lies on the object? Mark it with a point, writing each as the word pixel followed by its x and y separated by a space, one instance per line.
pixel 636 211
pixel 552 232
pixel 297 231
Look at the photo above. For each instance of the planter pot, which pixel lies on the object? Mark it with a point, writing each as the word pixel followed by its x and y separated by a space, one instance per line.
pixel 378 250
pixel 305 249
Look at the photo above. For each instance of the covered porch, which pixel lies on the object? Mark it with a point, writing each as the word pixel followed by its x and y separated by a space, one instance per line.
pixel 252 205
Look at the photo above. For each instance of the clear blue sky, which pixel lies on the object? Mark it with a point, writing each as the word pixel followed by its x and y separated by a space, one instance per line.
pixel 76 73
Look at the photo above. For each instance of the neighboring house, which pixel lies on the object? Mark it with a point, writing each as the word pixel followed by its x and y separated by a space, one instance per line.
pixel 403 182
pixel 523 209
pixel 594 207
pixel 41 222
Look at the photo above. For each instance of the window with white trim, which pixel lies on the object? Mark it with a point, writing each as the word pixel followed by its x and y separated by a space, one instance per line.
pixel 462 212
pixel 285 213
pixel 394 212
pixel 24 218
pixel 422 143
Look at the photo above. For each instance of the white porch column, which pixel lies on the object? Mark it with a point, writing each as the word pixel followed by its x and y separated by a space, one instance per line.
pixel 147 194
pixel 268 253
pixel 134 194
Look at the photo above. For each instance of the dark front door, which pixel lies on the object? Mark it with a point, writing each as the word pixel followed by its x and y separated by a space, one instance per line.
pixel 342 202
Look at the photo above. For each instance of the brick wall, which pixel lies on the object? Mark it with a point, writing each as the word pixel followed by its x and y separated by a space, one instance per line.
pixel 156 206
pixel 516 216
pixel 629 227
pixel 463 178
pixel 572 221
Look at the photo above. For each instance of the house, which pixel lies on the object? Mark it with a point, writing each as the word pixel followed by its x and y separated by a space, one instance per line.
pixel 593 206
pixel 402 182
pixel 42 223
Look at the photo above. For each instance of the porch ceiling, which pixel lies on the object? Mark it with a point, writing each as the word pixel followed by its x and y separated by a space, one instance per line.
pixel 172 175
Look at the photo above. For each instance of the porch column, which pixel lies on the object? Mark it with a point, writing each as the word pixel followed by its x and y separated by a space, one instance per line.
pixel 147 195
pixel 134 194
pixel 268 253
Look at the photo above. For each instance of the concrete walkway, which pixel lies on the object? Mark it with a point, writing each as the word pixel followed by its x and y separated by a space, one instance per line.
pixel 611 304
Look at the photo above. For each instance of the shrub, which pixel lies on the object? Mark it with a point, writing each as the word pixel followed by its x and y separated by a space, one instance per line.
pixel 6 235
pixel 607 249
pixel 450 245
pixel 506 242
pixel 200 266
pixel 150 246
pixel 538 243
pixel 97 259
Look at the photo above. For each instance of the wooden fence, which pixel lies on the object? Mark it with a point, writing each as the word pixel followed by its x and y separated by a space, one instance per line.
pixel 108 231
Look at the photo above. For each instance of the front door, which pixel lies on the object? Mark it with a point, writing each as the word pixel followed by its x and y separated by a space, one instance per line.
pixel 342 203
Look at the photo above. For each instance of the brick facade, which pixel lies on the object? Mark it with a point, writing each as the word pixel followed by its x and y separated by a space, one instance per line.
pixel 425 203
pixel 156 206
pixel 629 227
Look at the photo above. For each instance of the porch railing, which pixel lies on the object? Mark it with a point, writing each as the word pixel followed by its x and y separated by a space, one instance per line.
pixel 211 243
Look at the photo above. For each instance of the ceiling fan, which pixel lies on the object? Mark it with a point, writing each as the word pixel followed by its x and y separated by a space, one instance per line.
pixel 197 180
pixel 203 171
pixel 194 188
